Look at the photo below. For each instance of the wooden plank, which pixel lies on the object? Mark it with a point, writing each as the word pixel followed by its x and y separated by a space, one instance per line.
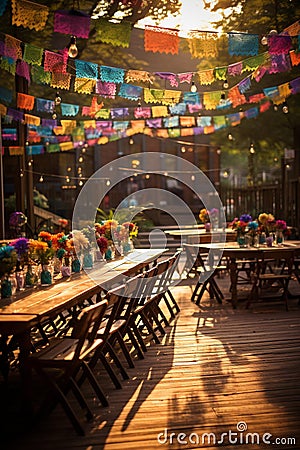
pixel 214 368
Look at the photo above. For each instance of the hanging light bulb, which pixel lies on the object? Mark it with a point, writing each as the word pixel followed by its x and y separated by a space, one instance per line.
pixel 41 179
pixel 275 107
pixel 285 108
pixel 80 159
pixel 72 50
pixel 225 84
pixel 80 183
pixel 264 40
pixel 193 87
pixel 54 115
pixel 230 137
pixel 131 141
pixel 57 100
pixel 107 183
pixel 251 149
pixel 183 149
pixel 222 99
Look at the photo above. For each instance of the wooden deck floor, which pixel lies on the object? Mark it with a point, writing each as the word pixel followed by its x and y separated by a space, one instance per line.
pixel 216 370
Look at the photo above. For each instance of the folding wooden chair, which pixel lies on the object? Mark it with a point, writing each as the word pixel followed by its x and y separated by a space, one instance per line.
pixel 206 272
pixel 59 363
pixel 273 273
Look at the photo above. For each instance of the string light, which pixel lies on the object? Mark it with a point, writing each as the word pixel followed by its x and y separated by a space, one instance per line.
pixel 252 149
pixel 41 179
pixel 225 84
pixel 264 40
pixel 193 87
pixel 107 183
pixel 72 48
pixel 57 99
pixel 285 108
pixel 80 159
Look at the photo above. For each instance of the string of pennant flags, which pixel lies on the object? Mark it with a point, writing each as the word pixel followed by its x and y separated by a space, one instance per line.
pixel 167 119
pixel 45 137
pixel 156 39
pixel 50 68
pixel 232 97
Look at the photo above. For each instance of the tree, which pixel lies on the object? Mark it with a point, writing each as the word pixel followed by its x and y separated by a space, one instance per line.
pixel 260 17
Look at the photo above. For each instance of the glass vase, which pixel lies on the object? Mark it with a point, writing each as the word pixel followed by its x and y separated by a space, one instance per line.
pixel 31 276
pixel 279 239
pixel 88 261
pixel 241 240
pixel 46 275
pixel 20 277
pixel 76 266
pixel 6 287
pixel 66 268
pixel 126 248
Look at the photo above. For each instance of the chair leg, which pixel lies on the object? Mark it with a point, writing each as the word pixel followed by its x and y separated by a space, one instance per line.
pixel 95 385
pixel 135 342
pixel 110 371
pixel 117 361
pixel 81 400
pixel 149 327
pixel 139 337
pixel 175 304
pixel 61 398
pixel 124 349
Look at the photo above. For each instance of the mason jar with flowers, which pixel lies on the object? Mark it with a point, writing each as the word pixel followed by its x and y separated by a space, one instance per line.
pixel 8 262
pixel 44 253
pixel 253 233
pixel 204 217
pixel 21 246
pixel 280 227
pixel 107 229
pixel 240 226
pixel 81 245
pixel 131 233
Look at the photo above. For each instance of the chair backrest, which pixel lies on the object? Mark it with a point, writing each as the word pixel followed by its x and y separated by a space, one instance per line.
pixel 121 302
pixel 86 325
pixel 284 258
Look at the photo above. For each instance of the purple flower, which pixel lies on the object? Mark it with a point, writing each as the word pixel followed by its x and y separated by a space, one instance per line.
pixel 246 218
pixel 280 224
pixel 21 246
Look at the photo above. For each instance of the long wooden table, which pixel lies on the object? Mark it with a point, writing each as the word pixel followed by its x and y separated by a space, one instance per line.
pixel 20 313
pixel 234 253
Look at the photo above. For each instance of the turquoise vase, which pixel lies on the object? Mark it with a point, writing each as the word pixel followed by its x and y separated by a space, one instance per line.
pixel 87 261
pixel 241 240
pixel 6 288
pixel 46 276
pixel 76 267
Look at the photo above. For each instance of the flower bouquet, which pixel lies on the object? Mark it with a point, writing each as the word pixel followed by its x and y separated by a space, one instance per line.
pixel 280 227
pixel 82 248
pixel 240 226
pixel 21 246
pixel 204 217
pixel 43 253
pixel 8 262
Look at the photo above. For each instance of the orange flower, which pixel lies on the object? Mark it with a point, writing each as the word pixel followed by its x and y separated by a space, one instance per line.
pixel 45 235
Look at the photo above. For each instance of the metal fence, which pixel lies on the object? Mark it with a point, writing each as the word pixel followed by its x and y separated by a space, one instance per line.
pixel 281 200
